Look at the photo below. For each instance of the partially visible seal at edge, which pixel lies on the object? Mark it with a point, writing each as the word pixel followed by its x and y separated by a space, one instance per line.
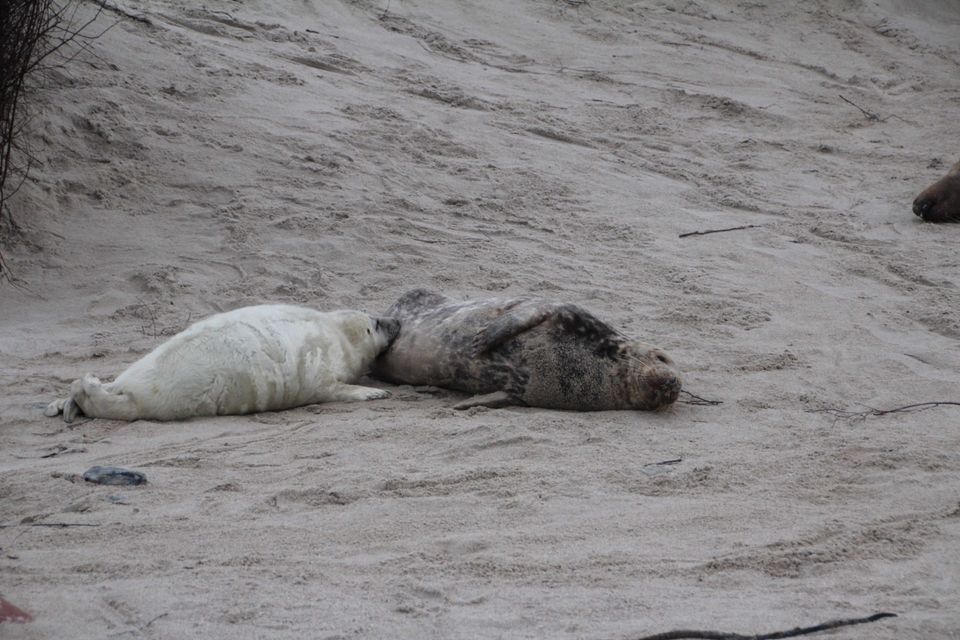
pixel 940 202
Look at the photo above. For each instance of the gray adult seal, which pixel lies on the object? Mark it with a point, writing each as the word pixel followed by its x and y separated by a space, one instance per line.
pixel 523 351
pixel 940 202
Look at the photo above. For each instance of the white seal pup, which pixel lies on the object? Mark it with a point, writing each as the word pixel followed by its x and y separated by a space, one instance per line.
pixel 260 358
pixel 524 351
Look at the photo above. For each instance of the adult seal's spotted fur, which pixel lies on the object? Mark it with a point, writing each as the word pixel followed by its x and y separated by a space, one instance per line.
pixel 523 351
pixel 940 202
pixel 261 358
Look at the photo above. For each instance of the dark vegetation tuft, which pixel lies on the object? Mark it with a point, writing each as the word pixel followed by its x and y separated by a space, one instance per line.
pixel 34 35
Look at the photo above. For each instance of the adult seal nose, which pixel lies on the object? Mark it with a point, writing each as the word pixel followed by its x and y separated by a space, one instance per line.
pixel 940 202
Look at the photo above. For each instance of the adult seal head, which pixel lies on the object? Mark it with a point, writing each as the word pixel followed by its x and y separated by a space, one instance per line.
pixel 523 351
pixel 940 202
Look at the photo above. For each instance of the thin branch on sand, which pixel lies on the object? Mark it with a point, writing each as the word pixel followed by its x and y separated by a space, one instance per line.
pixel 59 525
pixel 695 399
pixel 776 635
pixel 709 231
pixel 872 412
pixel 870 114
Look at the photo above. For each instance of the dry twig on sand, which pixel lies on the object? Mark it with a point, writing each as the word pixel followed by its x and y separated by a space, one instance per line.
pixel 709 231
pixel 59 525
pixel 789 633
pixel 870 115
pixel 695 399
pixel 871 412
pixel 873 117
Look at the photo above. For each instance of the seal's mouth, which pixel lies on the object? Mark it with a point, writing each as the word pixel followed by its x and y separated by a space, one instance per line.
pixel 930 210
pixel 923 209
pixel 940 202
pixel 666 392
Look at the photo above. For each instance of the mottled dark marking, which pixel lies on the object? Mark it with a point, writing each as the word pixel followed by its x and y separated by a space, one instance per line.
pixel 538 352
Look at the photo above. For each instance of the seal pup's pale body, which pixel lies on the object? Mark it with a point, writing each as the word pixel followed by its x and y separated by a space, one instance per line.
pixel 940 202
pixel 523 351
pixel 260 358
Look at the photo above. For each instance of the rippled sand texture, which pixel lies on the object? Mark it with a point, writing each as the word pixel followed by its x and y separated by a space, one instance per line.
pixel 336 154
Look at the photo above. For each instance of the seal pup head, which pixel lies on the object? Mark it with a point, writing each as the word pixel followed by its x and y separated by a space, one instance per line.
pixel 940 202
pixel 369 333
pixel 649 376
pixel 386 329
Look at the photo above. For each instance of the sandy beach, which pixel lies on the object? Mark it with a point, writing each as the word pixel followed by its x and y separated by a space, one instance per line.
pixel 205 156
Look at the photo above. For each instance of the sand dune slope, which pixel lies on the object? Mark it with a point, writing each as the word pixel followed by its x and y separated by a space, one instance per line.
pixel 211 155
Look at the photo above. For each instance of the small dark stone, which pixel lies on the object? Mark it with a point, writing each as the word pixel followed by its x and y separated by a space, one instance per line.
pixel 114 475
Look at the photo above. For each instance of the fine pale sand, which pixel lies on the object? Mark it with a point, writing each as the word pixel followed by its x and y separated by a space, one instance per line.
pixel 336 154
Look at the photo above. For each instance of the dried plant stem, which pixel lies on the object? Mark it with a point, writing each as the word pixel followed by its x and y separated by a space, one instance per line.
pixel 871 412
pixel 776 635
pixel 34 33
pixel 709 231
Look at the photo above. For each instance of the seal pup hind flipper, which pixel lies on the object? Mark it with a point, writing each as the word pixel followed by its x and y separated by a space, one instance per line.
pixel 66 406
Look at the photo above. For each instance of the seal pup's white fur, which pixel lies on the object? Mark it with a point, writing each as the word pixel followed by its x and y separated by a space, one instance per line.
pixel 259 358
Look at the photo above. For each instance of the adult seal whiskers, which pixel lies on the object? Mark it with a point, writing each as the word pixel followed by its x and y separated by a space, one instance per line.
pixel 523 351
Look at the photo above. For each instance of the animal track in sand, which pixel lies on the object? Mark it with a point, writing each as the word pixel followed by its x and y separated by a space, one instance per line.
pixel 334 63
pixel 892 539
pixel 467 482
